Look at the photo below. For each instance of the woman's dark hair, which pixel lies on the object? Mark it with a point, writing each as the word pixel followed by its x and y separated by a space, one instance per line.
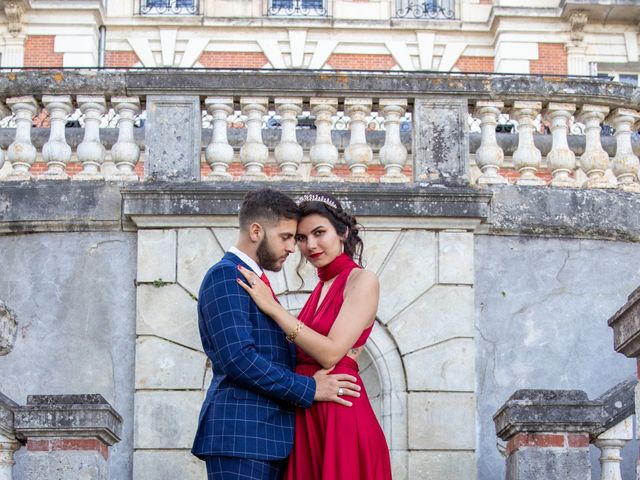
pixel 345 224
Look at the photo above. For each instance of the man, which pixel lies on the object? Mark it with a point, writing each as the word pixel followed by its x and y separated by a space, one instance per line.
pixel 246 423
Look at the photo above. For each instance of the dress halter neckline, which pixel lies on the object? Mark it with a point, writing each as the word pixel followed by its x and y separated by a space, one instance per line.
pixel 337 265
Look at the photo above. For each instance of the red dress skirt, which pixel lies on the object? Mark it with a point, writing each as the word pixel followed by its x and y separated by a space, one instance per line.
pixel 334 442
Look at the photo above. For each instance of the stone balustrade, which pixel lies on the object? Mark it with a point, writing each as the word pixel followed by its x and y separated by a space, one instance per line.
pixel 305 126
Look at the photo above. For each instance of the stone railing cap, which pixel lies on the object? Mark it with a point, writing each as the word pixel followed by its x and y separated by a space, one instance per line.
pixel 618 403
pixel 7 407
pixel 73 399
pixel 626 326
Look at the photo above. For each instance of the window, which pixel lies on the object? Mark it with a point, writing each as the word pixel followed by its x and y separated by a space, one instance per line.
pixel 429 9
pixel 168 7
pixel 310 8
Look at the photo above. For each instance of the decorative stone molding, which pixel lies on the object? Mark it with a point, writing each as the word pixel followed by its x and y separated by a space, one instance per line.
pixel 13 12
pixel 578 20
pixel 8 329
pixel 626 327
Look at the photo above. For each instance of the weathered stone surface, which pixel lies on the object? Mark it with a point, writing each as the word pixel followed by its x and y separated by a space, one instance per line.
pixel 198 250
pixel 442 464
pixel 7 407
pixel 455 257
pixel 157 255
pixel 626 326
pixel 161 364
pixel 533 464
pixel 404 263
pixel 227 236
pixel 377 245
pixel 443 312
pixel 166 419
pixel 168 312
pixel 8 329
pixel 156 464
pixel 447 366
pixel 172 138
pixel 432 425
pixel 441 141
pixel 65 464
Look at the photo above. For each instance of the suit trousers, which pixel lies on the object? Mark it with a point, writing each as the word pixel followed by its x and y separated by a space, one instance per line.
pixel 232 468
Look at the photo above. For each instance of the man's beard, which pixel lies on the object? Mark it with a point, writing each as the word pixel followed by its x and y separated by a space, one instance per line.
pixel 266 258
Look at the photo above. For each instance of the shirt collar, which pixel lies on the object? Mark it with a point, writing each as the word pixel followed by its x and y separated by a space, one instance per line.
pixel 246 259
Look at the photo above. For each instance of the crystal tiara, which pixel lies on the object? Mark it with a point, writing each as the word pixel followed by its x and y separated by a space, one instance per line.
pixel 314 197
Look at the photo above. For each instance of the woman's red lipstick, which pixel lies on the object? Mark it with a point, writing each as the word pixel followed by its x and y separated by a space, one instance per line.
pixel 315 255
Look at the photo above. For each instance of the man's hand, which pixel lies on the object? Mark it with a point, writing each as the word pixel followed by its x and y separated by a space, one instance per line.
pixel 328 387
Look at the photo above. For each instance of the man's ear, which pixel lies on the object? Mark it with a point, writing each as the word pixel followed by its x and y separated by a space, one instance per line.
pixel 256 232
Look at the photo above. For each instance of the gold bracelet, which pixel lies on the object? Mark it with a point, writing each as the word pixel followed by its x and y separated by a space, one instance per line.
pixel 294 333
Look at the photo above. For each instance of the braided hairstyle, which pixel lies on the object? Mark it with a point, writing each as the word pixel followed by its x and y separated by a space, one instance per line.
pixel 345 224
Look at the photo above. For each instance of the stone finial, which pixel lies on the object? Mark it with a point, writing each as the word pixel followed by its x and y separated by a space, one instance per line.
pixel 13 11
pixel 8 329
pixel 578 20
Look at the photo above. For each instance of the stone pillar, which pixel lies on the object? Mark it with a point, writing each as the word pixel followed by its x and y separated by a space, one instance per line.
pixel 173 138
pixel 8 329
pixel 358 153
pixel 527 157
pixel 254 153
pixel 219 154
pixel 8 442
pixel 547 434
pixel 67 436
pixel 13 53
pixel 441 141
pixel 489 156
pixel 288 152
pixel 4 112
pixel 393 154
pixel 91 152
pixel 57 152
pixel 323 153
pixel 21 153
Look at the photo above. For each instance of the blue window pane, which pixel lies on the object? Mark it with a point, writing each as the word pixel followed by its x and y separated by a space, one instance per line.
pixel 282 3
pixel 158 3
pixel 184 3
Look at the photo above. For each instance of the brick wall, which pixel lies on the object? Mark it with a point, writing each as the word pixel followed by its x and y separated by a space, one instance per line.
pixel 475 64
pixel 349 61
pixel 233 59
pixel 120 59
pixel 486 2
pixel 38 52
pixel 552 59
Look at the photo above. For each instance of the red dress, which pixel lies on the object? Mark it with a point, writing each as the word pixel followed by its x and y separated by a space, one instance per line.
pixel 334 442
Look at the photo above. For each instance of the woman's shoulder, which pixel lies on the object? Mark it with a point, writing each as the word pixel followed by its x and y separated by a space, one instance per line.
pixel 359 278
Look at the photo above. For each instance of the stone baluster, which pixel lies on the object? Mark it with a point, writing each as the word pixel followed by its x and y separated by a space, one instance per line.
pixel 288 152
pixel 4 112
pixel 527 157
pixel 625 164
pixel 254 153
pixel 561 160
pixel 489 156
pixel 91 152
pixel 393 154
pixel 324 154
pixel 57 152
pixel 21 153
pixel 125 153
pixel 358 153
pixel 594 161
pixel 611 444
pixel 219 154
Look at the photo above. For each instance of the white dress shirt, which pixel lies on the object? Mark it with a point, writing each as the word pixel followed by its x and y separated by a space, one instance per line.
pixel 246 259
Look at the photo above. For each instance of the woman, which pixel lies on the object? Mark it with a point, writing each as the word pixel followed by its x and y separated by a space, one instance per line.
pixel 331 441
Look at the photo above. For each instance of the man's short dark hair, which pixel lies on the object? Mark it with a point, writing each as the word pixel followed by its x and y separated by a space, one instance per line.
pixel 267 206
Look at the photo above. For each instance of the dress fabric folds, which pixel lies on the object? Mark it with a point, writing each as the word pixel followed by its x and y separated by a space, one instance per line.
pixel 334 442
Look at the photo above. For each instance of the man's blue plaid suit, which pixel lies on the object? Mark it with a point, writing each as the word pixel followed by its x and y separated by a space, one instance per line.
pixel 249 408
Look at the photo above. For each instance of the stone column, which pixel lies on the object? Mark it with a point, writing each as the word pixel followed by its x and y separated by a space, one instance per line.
pixel 8 442
pixel 57 152
pixel 4 112
pixel 21 153
pixel 547 434
pixel 68 436
pixel 125 153
pixel 527 157
pixel 625 163
pixel 358 153
pixel 594 160
pixel 288 152
pixel 393 154
pixel 323 153
pixel 489 156
pixel 219 154
pixel 254 153
pixel 91 152
pixel 561 160
pixel 13 54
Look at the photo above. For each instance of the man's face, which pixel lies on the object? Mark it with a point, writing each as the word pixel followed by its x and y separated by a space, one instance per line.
pixel 276 245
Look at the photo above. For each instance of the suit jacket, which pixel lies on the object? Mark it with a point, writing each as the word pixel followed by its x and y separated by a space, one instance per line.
pixel 249 409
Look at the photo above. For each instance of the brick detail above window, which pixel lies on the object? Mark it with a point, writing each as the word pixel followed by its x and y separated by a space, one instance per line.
pixel 38 52
pixel 233 59
pixel 120 59
pixel 475 64
pixel 552 59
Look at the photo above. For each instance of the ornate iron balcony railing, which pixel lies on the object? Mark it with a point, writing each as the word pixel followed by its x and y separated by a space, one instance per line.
pixel 429 9
pixel 295 8
pixel 169 7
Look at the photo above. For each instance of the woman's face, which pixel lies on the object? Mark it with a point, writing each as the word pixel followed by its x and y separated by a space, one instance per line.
pixel 318 240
